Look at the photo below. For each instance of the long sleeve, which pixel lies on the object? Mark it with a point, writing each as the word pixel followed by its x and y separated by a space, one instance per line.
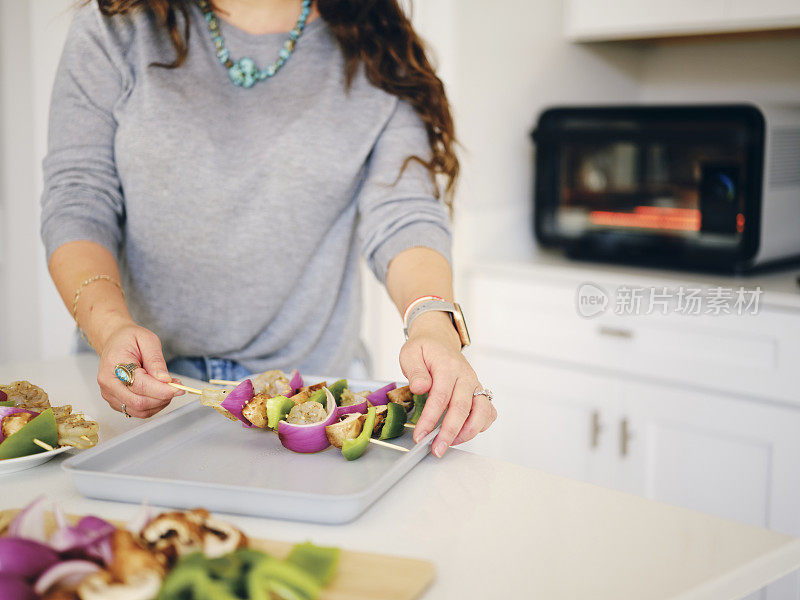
pixel 82 198
pixel 398 214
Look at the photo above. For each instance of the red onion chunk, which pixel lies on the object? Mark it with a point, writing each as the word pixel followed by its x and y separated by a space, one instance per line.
pixel 67 574
pixel 296 382
pixel 29 523
pixel 100 550
pixel 3 396
pixel 10 410
pixel 310 437
pixel 378 397
pixel 23 558
pixel 15 588
pixel 88 531
pixel 239 396
pixel 361 407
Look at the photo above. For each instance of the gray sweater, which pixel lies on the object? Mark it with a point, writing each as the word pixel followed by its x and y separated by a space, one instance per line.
pixel 237 216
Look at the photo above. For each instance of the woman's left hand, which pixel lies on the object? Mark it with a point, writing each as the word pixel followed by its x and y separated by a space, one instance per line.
pixel 431 359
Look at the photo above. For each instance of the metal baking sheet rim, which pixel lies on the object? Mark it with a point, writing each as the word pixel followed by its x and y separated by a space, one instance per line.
pixel 236 499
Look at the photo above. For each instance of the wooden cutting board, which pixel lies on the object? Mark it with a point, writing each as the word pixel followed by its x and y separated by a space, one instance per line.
pixel 361 575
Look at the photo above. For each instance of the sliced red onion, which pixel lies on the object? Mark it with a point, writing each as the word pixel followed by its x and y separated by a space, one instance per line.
pixel 16 588
pixel 361 407
pixel 310 437
pixel 296 382
pixel 239 396
pixel 3 396
pixel 29 522
pixel 11 410
pixel 67 574
pixel 378 397
pixel 24 558
pixel 100 550
pixel 87 532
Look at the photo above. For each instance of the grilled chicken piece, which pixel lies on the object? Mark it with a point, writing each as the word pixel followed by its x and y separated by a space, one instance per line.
pixel 26 395
pixel 255 411
pixel 13 423
pixel 348 398
pixel 73 430
pixel 313 388
pixel 273 383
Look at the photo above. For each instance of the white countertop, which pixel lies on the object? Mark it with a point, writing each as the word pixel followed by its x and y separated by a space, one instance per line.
pixel 492 529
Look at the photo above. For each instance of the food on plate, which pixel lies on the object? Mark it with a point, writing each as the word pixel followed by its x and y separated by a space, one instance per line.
pixel 395 421
pixel 175 556
pixel 310 418
pixel 402 396
pixel 354 448
pixel 20 420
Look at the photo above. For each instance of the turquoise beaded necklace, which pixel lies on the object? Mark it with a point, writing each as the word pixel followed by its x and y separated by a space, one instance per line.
pixel 244 72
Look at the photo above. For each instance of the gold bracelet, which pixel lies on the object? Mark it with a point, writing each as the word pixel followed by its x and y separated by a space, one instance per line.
pixel 80 289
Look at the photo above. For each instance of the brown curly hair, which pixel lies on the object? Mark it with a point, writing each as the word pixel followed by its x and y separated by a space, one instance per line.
pixel 374 33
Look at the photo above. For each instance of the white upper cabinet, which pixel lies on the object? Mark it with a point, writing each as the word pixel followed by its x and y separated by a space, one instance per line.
pixel 592 20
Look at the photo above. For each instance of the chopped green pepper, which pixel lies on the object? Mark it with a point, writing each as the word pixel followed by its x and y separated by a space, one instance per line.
pixel 272 575
pixel 42 427
pixel 193 581
pixel 353 449
pixel 336 388
pixel 318 396
pixel 318 561
pixel 277 409
pixel 395 421
pixel 419 405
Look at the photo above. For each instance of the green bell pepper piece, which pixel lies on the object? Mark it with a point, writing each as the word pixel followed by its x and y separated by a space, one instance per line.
pixel 318 396
pixel 42 427
pixel 277 409
pixel 336 388
pixel 353 449
pixel 193 581
pixel 272 575
pixel 395 421
pixel 318 561
pixel 419 404
pixel 8 403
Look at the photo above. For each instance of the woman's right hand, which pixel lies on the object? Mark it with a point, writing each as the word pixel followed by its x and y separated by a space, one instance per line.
pixel 130 343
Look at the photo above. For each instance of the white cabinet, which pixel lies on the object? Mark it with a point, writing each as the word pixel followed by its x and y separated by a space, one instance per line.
pixel 591 20
pixel 701 412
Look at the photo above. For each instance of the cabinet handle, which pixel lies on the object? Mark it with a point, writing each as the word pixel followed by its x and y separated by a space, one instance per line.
pixel 624 437
pixel 615 332
pixel 596 430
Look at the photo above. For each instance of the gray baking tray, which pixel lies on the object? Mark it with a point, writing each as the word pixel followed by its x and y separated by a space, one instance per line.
pixel 195 457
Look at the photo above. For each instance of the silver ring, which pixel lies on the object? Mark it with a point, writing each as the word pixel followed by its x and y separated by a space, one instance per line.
pixel 484 392
pixel 125 411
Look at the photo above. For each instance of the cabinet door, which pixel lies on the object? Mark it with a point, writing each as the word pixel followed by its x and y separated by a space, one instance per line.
pixel 549 418
pixel 720 455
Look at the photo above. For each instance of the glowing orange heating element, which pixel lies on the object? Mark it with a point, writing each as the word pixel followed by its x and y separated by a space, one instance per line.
pixel 650 217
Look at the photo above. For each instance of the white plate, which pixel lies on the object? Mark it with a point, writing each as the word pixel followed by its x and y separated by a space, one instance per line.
pixel 11 465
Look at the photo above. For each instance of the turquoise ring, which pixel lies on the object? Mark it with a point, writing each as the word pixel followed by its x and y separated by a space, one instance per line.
pixel 125 373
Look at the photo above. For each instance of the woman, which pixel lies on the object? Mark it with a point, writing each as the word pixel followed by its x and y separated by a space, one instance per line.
pixel 225 165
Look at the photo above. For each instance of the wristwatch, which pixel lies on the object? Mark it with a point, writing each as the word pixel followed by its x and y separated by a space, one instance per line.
pixel 429 303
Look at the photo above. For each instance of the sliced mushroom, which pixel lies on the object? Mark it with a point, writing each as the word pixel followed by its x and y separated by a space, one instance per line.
pixel 130 559
pixel 349 398
pixel 346 429
pixel 380 419
pixel 174 534
pixel 221 538
pixel 101 586
pixel 13 423
pixel 402 396
pixel 255 411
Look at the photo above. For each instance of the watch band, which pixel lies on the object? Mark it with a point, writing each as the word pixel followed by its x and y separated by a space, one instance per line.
pixel 430 303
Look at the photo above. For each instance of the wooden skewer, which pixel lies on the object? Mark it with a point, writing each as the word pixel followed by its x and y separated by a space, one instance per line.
pixel 409 425
pixel 85 437
pixel 191 390
pixel 42 444
pixel 223 382
pixel 388 445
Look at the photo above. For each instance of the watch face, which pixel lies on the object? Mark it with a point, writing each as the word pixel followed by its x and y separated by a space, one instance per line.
pixel 461 325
